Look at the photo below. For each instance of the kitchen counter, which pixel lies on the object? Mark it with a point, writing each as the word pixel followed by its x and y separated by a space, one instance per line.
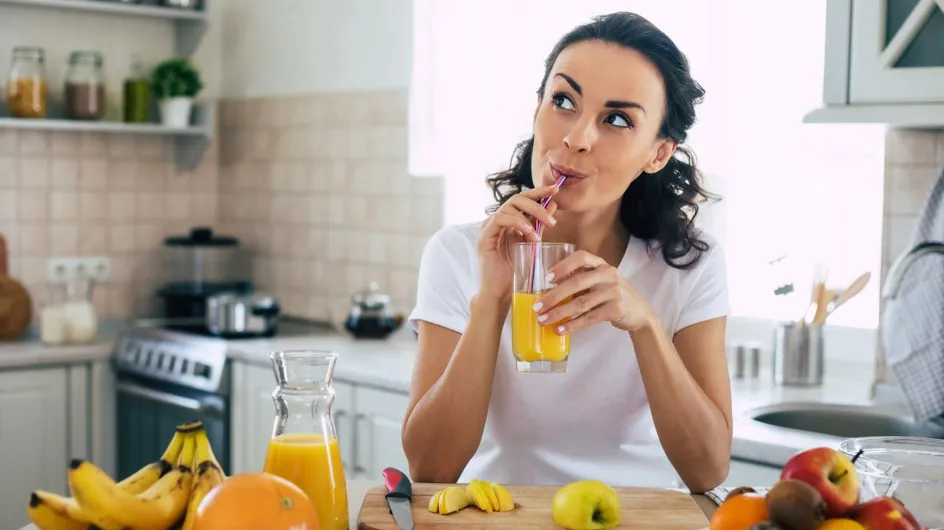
pixel 357 490
pixel 386 364
pixel 33 353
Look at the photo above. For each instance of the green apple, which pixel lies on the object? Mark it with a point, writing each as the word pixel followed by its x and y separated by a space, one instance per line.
pixel 586 505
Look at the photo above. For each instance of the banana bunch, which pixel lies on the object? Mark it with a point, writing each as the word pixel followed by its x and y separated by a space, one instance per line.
pixel 160 496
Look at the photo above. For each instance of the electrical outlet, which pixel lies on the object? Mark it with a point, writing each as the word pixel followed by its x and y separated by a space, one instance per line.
pixel 63 270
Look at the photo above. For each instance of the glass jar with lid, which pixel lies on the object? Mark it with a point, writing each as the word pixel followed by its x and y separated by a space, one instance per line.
pixel 85 86
pixel 26 91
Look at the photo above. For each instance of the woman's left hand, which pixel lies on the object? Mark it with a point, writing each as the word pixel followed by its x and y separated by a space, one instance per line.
pixel 592 291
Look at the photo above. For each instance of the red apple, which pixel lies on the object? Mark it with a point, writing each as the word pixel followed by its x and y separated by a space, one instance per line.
pixel 884 513
pixel 831 473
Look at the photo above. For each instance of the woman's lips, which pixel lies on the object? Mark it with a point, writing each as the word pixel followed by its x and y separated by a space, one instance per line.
pixel 573 176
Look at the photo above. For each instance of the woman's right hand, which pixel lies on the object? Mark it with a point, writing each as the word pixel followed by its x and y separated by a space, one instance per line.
pixel 511 223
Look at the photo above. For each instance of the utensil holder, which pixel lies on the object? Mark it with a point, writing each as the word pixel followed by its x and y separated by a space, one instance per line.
pixel 798 355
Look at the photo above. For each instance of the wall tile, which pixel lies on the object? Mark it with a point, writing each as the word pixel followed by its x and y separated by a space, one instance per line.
pixel 905 146
pixel 67 194
pixel 315 186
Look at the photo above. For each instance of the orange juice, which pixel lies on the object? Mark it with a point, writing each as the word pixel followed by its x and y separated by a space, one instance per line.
pixel 315 467
pixel 532 341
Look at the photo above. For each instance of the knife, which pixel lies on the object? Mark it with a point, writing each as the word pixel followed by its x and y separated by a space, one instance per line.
pixel 399 496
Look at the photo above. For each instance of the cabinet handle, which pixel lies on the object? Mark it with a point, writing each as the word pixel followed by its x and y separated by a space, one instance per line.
pixel 357 445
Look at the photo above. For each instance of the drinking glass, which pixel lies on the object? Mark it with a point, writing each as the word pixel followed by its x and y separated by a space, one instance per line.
pixel 537 347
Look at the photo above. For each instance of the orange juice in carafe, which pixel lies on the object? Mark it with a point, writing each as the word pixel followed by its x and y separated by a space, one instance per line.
pixel 304 448
pixel 314 465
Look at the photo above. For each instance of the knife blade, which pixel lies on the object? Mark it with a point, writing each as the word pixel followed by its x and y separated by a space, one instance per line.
pixel 399 497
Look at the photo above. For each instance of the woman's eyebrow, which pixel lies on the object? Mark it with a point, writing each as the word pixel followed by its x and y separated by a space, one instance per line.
pixel 612 103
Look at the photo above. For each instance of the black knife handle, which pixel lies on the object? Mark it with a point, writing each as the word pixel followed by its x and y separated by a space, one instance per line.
pixel 397 484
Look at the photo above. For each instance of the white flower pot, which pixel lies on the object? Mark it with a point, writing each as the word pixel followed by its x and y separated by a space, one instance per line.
pixel 175 112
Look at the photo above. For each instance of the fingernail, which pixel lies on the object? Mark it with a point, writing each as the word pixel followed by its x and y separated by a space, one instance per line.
pixel 552 220
pixel 537 306
pixel 560 329
pixel 549 277
pixel 542 318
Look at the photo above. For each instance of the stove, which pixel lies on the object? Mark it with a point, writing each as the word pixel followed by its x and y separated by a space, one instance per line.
pixel 170 372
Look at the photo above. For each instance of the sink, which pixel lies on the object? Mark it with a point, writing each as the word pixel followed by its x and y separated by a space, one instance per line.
pixel 843 421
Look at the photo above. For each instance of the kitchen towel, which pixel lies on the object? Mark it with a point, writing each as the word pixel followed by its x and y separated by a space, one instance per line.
pixel 913 323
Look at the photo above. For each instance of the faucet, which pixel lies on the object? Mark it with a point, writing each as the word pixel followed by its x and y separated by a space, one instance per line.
pixel 903 263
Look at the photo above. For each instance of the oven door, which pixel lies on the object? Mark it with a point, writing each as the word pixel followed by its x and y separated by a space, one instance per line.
pixel 148 411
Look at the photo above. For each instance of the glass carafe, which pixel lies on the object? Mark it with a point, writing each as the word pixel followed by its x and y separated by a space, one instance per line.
pixel 304 444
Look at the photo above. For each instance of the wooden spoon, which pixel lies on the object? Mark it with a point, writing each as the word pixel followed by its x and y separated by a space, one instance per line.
pixel 854 288
pixel 16 308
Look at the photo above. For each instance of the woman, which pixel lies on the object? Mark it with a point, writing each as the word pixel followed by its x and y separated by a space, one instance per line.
pixel 646 398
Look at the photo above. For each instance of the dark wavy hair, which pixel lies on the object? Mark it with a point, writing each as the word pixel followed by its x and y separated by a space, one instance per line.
pixel 659 208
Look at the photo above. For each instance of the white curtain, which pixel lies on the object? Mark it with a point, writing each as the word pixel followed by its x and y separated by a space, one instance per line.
pixel 478 64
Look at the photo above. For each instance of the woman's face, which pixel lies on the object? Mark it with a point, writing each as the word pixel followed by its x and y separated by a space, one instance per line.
pixel 598 121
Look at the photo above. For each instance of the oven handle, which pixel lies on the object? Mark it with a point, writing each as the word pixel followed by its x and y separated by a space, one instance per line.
pixel 166 398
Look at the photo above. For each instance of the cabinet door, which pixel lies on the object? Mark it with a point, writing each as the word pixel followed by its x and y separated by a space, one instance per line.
pixel 252 417
pixel 896 51
pixel 378 424
pixel 34 432
pixel 342 411
pixel 745 473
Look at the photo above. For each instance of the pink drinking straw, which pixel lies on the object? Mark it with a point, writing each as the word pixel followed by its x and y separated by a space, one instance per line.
pixel 538 228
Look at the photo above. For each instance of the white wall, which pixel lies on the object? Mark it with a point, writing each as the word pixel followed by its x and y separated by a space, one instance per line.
pixel 286 47
pixel 116 36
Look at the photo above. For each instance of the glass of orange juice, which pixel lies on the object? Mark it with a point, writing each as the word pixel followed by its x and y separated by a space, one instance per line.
pixel 303 448
pixel 537 347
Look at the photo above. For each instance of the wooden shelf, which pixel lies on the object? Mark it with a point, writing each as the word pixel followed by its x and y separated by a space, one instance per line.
pixel 191 142
pixel 115 8
pixel 189 25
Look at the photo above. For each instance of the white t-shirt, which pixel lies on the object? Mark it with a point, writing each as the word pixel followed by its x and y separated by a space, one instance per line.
pixel 592 421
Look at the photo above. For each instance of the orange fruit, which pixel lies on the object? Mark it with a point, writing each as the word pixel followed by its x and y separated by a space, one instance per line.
pixel 250 501
pixel 740 512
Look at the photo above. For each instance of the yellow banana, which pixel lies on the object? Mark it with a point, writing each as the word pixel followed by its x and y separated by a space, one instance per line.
pixel 156 508
pixel 209 475
pixel 49 511
pixel 145 477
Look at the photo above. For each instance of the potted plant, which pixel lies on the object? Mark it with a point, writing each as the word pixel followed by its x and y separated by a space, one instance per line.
pixel 175 83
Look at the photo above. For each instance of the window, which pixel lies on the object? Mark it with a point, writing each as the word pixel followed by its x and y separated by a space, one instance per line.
pixel 809 191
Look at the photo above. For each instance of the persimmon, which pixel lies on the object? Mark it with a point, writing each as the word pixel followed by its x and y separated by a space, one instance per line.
pixel 740 512
pixel 250 501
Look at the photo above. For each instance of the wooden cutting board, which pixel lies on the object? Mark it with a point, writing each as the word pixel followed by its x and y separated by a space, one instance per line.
pixel 643 508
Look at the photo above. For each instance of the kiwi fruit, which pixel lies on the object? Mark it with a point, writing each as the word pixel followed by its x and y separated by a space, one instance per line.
pixel 795 505
pixel 739 490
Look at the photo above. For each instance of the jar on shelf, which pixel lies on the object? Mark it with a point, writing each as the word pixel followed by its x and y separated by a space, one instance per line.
pixel 26 91
pixel 85 86
pixel 137 92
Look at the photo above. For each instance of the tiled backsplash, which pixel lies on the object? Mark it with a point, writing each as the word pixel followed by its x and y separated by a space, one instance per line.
pixel 82 194
pixel 317 187
pixel 913 162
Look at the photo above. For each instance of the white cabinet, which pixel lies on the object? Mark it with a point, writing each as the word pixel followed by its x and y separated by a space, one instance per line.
pixel 895 51
pixel 367 421
pixel 883 63
pixel 745 473
pixel 34 438
pixel 378 424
